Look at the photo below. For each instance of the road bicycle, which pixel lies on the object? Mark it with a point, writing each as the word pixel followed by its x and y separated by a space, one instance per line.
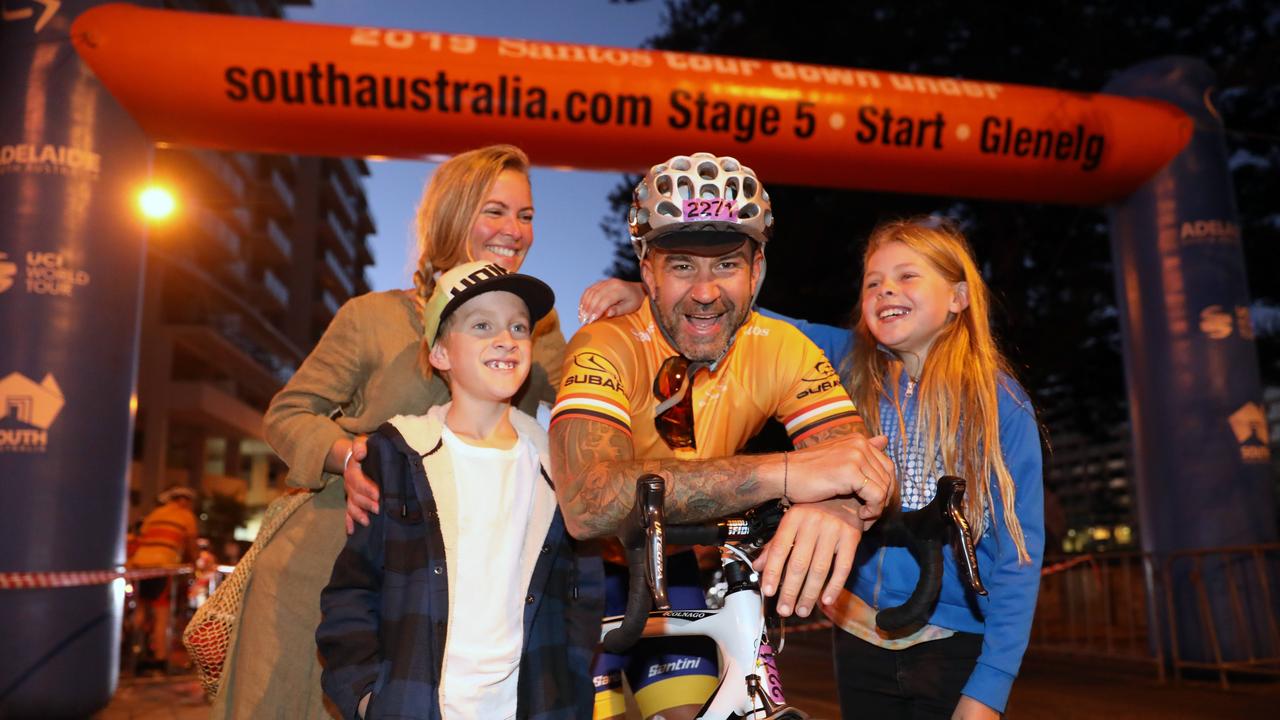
pixel 749 683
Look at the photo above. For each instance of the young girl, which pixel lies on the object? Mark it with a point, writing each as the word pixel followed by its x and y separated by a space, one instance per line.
pixel 924 370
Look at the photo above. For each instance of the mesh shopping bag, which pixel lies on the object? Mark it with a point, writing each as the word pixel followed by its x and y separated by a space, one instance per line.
pixel 208 635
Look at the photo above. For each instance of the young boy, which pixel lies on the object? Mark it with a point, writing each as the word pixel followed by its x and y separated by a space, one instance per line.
pixel 464 597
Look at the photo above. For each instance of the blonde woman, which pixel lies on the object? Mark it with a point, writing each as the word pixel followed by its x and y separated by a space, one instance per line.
pixel 366 369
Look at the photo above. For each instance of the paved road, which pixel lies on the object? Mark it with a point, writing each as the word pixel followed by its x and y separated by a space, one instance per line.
pixel 157 699
pixel 1047 690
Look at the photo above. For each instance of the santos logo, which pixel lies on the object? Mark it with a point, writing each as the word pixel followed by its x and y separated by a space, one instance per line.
pixel 7 271
pixel 1249 424
pixel 27 410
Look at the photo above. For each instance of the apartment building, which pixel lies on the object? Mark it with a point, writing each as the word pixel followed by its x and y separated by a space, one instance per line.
pixel 240 284
pixel 1089 482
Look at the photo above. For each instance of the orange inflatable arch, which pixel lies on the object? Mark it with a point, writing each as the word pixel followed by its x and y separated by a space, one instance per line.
pixel 270 86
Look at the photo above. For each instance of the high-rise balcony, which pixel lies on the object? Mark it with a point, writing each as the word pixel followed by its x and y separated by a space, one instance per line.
pixel 339 194
pixel 282 190
pixel 365 220
pixel 350 173
pixel 252 8
pixel 235 270
pixel 240 215
pixel 276 289
pixel 276 242
pixel 261 357
pixel 209 174
pixel 329 302
pixel 341 235
pixel 246 163
pixel 218 236
pixel 339 273
pixel 364 252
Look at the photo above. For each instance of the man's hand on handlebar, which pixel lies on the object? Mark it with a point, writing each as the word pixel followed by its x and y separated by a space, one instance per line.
pixel 816 543
pixel 843 466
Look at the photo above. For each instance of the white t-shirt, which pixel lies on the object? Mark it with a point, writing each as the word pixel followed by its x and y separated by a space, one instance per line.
pixel 486 627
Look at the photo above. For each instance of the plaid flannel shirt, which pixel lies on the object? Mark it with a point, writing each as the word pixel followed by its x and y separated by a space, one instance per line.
pixel 385 610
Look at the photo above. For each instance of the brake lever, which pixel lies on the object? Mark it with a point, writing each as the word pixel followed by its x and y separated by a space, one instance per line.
pixel 924 532
pixel 965 550
pixel 650 491
pixel 646 570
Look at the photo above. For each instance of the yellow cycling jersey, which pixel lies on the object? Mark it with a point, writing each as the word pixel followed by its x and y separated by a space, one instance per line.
pixel 165 535
pixel 771 371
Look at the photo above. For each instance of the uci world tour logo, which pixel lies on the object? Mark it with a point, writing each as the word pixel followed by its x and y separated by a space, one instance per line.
pixel 7 272
pixel 27 411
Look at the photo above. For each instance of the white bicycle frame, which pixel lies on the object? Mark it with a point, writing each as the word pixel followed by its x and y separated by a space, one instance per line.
pixel 749 683
pixel 737 629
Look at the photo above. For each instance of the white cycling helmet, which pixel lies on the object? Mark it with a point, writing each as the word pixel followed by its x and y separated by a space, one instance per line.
pixel 705 201
pixel 176 492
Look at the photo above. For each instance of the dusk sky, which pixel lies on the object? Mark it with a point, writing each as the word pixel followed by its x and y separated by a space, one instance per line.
pixel 569 251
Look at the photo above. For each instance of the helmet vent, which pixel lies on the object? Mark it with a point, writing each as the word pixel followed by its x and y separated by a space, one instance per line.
pixel 749 210
pixel 730 165
pixel 642 217
pixel 749 187
pixel 681 163
pixel 685 186
pixel 708 170
pixel 709 192
pixel 663 184
pixel 642 192
pixel 731 188
pixel 668 208
pixel 768 218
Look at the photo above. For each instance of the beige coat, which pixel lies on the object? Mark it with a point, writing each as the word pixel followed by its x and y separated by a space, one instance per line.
pixel 364 371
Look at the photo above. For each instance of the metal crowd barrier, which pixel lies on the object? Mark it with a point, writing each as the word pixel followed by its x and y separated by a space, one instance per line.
pixel 1100 606
pixel 1169 614
pixel 1243 636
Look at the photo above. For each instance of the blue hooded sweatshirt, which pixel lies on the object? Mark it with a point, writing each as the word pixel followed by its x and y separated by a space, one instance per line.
pixel 885 576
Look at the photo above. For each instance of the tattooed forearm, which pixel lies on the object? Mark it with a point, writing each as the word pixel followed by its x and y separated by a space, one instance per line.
pixel 710 488
pixel 853 427
pixel 595 473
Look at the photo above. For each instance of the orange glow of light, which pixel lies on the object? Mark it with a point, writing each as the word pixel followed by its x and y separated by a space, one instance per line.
pixel 157 202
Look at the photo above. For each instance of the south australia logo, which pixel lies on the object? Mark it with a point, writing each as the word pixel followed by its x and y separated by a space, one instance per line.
pixel 27 411
pixel 1249 424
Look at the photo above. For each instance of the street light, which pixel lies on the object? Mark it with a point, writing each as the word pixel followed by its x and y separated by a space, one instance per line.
pixel 156 202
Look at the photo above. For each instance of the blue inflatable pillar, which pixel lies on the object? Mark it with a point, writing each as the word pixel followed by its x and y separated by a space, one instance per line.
pixel 71 256
pixel 1201 451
